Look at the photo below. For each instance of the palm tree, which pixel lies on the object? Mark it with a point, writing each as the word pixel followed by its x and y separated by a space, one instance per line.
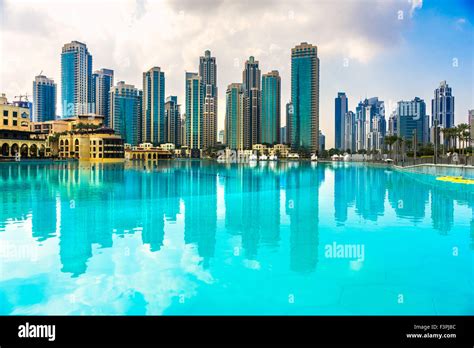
pixel 463 131
pixel 390 140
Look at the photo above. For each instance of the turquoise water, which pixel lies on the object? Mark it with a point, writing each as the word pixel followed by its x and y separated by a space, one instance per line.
pixel 191 237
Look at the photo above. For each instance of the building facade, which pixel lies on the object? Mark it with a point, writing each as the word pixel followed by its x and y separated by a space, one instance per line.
pixel 271 108
pixel 76 79
pixel 234 118
pixel 173 121
pixel 153 122
pixel 194 102
pixel 44 99
pixel 349 132
pixel 370 125
pixel 251 84
pixel 208 74
pixel 412 121
pixel 442 106
pixel 340 111
pixel 305 97
pixel 126 112
pixel 102 82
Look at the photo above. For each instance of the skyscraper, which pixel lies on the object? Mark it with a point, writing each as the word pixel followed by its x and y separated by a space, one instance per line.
pixel 271 105
pixel 322 141
pixel 234 117
pixel 412 118
pixel 339 119
pixel 289 122
pixel 252 102
pixel 102 82
pixel 76 79
pixel 305 97
pixel 194 101
pixel 153 106
pixel 44 99
pixel 370 125
pixel 349 132
pixel 173 121
pixel 208 74
pixel 442 106
pixel 126 112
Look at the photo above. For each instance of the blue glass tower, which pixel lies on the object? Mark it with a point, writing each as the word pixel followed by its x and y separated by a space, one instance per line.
pixel 412 119
pixel 76 79
pixel 305 97
pixel 126 112
pixel 234 117
pixel 271 105
pixel 44 99
pixel 102 82
pixel 340 106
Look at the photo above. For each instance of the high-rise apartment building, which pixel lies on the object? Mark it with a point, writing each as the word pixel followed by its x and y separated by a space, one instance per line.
pixel 44 99
pixel 194 102
pixel 442 106
pixel 271 108
pixel 305 97
pixel 126 112
pixel 76 79
pixel 340 111
pixel 208 74
pixel 153 122
pixel 251 79
pixel 234 117
pixel 102 82
pixel 411 120
pixel 173 121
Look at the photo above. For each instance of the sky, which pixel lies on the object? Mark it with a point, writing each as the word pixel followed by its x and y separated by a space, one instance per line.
pixel 392 49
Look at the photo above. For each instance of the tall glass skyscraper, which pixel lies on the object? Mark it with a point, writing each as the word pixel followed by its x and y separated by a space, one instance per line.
pixel 234 117
pixel 349 132
pixel 305 97
pixel 370 125
pixel 271 105
pixel 44 99
pixel 412 118
pixel 102 82
pixel 126 112
pixel 208 74
pixel 340 106
pixel 153 106
pixel 289 121
pixel 76 79
pixel 442 106
pixel 252 102
pixel 194 101
pixel 173 121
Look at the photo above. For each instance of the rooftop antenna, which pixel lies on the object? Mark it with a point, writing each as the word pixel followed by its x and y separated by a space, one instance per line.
pixel 22 96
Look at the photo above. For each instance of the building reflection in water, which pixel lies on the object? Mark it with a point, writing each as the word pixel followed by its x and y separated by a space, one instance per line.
pixel 85 205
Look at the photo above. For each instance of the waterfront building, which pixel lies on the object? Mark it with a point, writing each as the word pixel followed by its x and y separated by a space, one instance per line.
pixel 252 102
pixel 173 121
pixel 194 101
pixel 271 108
pixel 289 121
pixel 44 99
pixel 392 123
pixel 305 97
pixel 208 74
pixel 442 106
pixel 102 82
pixel 76 79
pixel 148 152
pixel 234 118
pixel 340 111
pixel 95 145
pixel 349 132
pixel 126 112
pixel 153 119
pixel 412 119
pixel 15 135
pixel 370 125
pixel 322 142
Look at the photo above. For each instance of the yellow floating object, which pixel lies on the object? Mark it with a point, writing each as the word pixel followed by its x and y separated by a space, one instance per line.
pixel 456 180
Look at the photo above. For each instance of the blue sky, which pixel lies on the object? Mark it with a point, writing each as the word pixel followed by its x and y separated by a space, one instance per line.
pixel 392 58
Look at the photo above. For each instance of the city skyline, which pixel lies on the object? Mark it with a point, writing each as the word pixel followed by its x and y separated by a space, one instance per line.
pixel 354 62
